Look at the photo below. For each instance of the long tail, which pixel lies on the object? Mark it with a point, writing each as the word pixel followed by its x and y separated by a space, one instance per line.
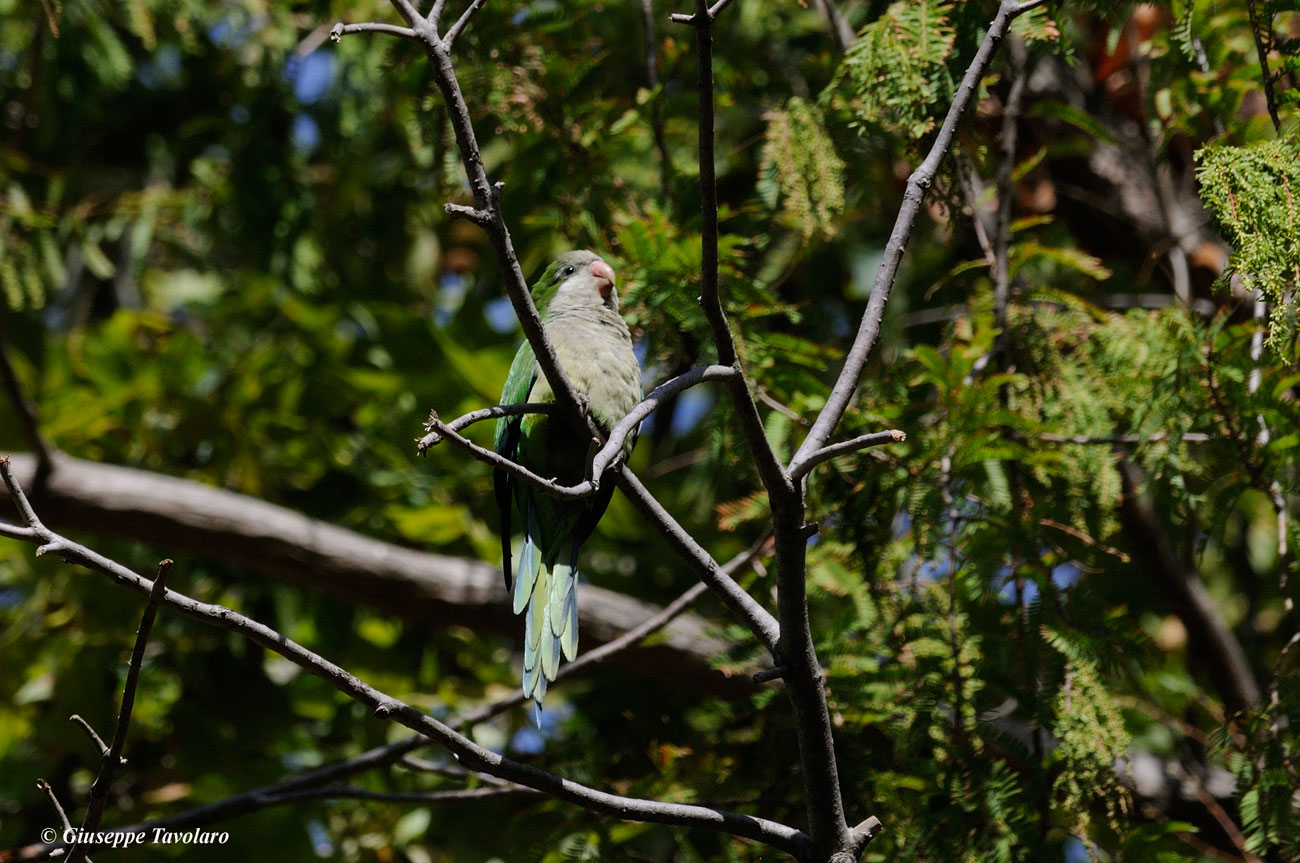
pixel 548 592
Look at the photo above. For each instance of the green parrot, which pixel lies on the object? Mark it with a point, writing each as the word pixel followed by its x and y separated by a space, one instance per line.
pixel 578 303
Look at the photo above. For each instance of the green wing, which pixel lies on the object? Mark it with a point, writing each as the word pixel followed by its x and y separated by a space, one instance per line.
pixel 519 383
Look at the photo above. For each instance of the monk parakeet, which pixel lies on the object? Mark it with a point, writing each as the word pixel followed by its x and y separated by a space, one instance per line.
pixel 578 303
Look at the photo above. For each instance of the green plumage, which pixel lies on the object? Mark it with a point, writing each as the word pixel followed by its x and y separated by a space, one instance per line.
pixel 578 304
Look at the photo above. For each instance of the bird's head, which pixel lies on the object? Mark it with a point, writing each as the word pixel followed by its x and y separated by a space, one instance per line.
pixel 577 279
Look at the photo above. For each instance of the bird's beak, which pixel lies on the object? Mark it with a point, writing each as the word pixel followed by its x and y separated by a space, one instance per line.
pixel 604 275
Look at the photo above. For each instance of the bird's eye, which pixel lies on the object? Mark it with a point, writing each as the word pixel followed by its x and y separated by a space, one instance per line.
pixel 569 270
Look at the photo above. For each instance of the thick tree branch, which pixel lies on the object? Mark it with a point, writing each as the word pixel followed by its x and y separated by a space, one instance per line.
pixel 112 759
pixel 421 587
pixel 918 184
pixel 384 706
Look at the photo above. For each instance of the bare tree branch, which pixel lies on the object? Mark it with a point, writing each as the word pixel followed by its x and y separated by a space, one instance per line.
pixel 48 790
pixel 455 29
pixel 386 707
pixel 794 649
pixel 399 752
pixel 338 31
pixel 917 186
pixel 1263 41
pixel 844 447
pixel 112 760
pixel 100 745
pixel 657 103
pixel 494 412
pixel 624 427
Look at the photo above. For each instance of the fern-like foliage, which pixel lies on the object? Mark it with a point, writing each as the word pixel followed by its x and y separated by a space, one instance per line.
pixel 894 75
pixel 800 170
pixel 1093 738
pixel 1252 191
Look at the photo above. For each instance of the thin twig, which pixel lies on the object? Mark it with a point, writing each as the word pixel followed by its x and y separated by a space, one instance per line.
pixel 466 420
pixel 449 771
pixel 844 447
pixel 338 31
pixel 459 26
pixel 30 519
pixel 586 488
pixel 54 803
pixel 624 427
pixel 100 746
pixel 954 631
pixel 917 185
pixel 1262 46
pixel 112 760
